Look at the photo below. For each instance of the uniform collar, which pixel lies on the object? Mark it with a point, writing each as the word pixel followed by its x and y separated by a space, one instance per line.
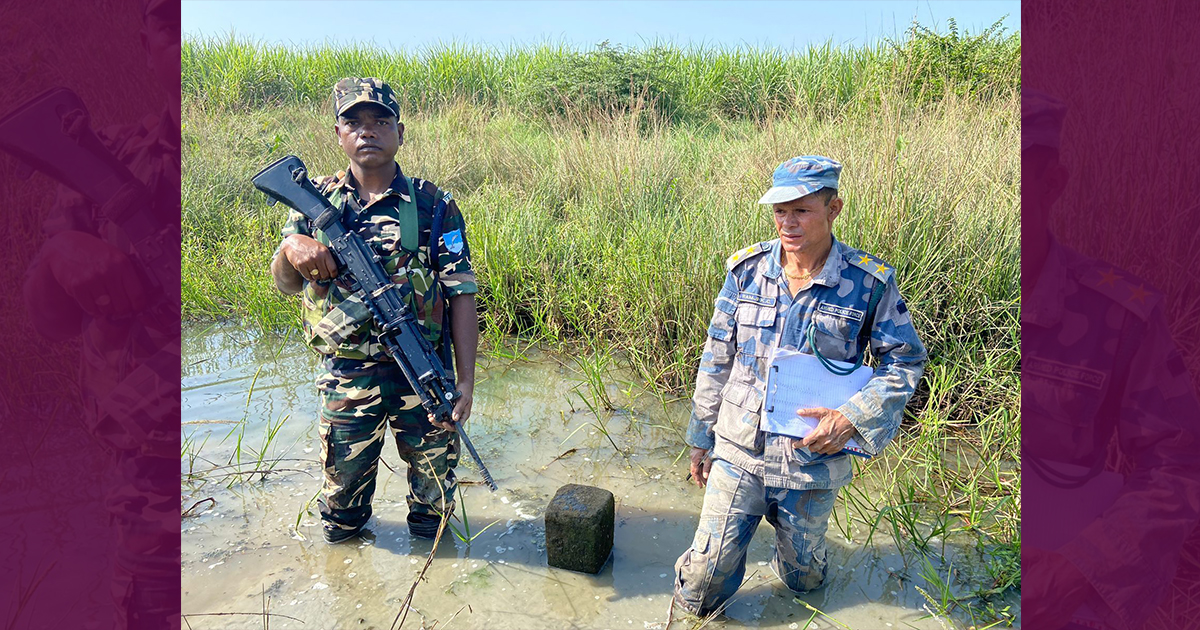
pixel 398 187
pixel 831 272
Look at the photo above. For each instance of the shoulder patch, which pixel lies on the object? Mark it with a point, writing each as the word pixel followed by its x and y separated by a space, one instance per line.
pixel 745 254
pixel 870 264
pixel 1129 291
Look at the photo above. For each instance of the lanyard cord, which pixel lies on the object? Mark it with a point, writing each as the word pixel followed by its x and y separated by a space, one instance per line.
pixel 864 335
pixel 829 365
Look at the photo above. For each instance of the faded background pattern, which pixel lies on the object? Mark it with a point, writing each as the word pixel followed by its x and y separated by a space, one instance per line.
pixel 1116 304
pixel 88 481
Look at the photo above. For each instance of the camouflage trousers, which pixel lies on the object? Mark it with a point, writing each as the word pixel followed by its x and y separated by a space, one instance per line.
pixel 360 401
pixel 711 570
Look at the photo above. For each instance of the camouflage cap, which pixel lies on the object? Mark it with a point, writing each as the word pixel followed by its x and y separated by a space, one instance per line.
pixel 354 90
pixel 1042 118
pixel 800 176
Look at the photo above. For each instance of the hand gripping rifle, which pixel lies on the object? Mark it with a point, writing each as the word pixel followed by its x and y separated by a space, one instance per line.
pixel 287 180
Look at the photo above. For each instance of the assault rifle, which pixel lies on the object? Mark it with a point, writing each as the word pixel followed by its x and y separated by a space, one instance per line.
pixel 287 180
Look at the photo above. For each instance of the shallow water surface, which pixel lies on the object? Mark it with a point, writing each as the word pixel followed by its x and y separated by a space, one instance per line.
pixel 533 426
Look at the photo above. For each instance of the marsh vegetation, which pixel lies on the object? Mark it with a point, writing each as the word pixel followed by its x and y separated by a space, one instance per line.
pixel 603 190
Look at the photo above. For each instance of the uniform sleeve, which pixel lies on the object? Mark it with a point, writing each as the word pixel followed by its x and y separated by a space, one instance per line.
pixel 454 254
pixel 295 223
pixel 1129 554
pixel 715 364
pixel 877 410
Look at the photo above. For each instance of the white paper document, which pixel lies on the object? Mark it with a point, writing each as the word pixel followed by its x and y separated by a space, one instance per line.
pixel 797 380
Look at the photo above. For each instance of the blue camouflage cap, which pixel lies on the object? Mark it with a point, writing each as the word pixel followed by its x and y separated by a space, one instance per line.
pixel 801 176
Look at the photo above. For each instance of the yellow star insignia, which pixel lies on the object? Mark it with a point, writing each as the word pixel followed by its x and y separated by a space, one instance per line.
pixel 880 268
pixel 1107 277
pixel 865 260
pixel 1138 294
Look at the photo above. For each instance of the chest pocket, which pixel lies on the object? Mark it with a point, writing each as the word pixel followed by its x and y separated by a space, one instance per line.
pixel 755 317
pixel 837 328
pixel 382 233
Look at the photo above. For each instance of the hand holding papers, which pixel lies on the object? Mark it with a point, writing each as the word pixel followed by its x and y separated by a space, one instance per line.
pixel 796 381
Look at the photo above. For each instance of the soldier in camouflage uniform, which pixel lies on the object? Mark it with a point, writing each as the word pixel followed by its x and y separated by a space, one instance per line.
pixel 363 392
pixel 1110 436
pixel 774 293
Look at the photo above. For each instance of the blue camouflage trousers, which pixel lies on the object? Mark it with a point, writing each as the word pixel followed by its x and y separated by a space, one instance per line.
pixel 711 570
pixel 359 404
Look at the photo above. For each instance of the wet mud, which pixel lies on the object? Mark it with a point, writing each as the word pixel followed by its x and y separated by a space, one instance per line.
pixel 253 541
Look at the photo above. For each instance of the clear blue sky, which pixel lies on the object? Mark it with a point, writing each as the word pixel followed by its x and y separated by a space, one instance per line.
pixel 417 25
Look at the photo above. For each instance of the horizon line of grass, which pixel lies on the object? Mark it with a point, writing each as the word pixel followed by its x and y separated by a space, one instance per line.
pixel 681 83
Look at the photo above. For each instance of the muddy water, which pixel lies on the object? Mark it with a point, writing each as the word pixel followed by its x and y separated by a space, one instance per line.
pixel 244 545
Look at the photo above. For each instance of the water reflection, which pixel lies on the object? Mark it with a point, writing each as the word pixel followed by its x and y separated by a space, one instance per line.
pixel 536 433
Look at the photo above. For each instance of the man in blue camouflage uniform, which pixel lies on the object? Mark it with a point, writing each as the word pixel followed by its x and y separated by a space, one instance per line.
pixel 1099 370
pixel 774 293
pixel 363 392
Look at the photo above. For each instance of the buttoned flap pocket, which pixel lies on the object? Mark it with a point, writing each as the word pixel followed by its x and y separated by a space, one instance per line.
pixel 343 320
pixel 381 231
pixel 1060 404
pixel 738 417
pixel 1067 392
pixel 744 395
pixel 755 310
pixel 838 321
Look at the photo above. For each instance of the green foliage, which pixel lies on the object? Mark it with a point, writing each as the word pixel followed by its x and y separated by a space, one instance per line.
pixel 609 78
pixel 679 84
pixel 932 64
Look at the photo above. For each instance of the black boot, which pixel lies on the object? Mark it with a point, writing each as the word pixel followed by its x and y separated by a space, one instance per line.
pixel 423 525
pixel 334 534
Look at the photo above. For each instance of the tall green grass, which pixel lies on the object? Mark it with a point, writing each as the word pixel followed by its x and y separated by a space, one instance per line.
pixel 680 83
pixel 600 218
pixel 600 228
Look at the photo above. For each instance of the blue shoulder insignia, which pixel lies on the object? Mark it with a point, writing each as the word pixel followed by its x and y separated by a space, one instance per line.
pixel 746 254
pixel 1131 292
pixel 870 264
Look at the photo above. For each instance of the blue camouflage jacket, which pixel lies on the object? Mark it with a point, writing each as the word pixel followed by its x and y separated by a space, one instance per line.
pixel 754 313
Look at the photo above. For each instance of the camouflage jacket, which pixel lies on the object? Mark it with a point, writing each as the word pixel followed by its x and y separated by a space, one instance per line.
pixel 1098 363
pixel 754 314
pixel 339 325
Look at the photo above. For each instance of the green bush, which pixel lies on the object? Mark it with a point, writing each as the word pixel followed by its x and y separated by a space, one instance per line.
pixel 930 63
